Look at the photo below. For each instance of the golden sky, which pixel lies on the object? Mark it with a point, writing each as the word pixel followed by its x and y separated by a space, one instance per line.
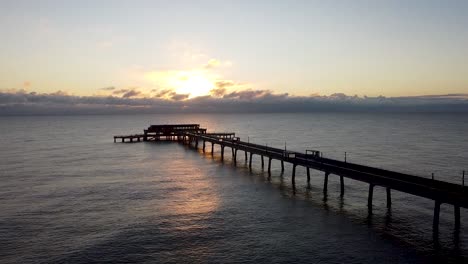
pixel 194 49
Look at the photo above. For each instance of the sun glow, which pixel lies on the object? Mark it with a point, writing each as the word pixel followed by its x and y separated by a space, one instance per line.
pixel 193 84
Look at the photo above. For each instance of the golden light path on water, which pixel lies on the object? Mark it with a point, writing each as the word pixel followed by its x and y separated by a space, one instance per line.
pixel 192 199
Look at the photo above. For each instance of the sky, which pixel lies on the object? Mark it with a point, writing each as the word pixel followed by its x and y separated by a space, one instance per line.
pixel 233 50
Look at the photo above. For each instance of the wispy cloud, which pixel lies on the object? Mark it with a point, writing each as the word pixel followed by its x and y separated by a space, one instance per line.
pixel 110 88
pixel 215 63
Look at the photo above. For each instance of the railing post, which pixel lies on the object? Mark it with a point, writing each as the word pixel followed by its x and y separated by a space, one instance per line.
pixel 463 178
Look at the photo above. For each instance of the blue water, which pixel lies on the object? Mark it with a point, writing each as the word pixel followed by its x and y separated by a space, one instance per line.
pixel 70 195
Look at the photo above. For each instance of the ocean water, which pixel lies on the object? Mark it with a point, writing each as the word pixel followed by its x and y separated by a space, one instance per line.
pixel 70 195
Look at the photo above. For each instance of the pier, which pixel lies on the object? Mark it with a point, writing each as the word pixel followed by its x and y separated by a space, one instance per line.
pixel 439 191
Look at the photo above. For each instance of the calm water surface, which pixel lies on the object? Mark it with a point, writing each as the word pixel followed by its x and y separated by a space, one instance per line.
pixel 70 195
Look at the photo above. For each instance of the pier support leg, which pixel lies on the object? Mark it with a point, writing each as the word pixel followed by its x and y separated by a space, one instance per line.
pixel 204 146
pixel 325 183
pixel 212 148
pixel 282 166
pixel 308 175
pixel 269 165
pixel 245 152
pixel 294 174
pixel 263 163
pixel 457 217
pixel 369 198
pixel 114 140
pixel 196 143
pixel 250 161
pixel 389 198
pixel 222 152
pixel 435 222
pixel 342 186
pixel 131 140
pixel 234 157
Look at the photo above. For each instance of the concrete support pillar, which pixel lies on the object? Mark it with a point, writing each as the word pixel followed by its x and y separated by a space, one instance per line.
pixel 369 198
pixel 389 198
pixel 308 174
pixel 435 222
pixel 222 152
pixel 294 174
pixel 282 166
pixel 342 186
pixel 325 183
pixel 212 148
pixel 269 165
pixel 245 152
pixel 131 139
pixel 263 163
pixel 204 146
pixel 234 157
pixel 123 140
pixel 196 142
pixel 457 217
pixel 250 162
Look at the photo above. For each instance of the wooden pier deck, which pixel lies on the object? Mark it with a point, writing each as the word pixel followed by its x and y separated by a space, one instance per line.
pixel 439 191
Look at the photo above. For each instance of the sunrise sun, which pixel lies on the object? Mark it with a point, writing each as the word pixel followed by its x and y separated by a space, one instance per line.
pixel 193 84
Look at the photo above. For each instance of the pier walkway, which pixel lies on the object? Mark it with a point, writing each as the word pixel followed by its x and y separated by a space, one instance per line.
pixel 439 191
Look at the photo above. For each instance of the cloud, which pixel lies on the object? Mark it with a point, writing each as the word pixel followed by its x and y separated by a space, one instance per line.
pixel 110 88
pixel 179 97
pixel 218 92
pixel 121 91
pixel 131 93
pixel 22 102
pixel 224 84
pixel 215 63
pixel 165 93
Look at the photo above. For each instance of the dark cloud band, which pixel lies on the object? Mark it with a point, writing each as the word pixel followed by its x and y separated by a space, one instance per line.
pixel 24 103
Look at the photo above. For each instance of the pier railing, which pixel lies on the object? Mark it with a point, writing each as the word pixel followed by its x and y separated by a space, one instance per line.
pixel 439 191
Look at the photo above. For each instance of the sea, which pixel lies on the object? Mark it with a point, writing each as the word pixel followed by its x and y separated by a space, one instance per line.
pixel 69 194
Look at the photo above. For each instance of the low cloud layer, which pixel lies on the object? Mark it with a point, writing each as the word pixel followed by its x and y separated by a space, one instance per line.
pixel 219 101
